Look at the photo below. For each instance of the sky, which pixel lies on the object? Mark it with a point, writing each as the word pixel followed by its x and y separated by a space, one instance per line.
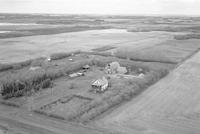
pixel 130 7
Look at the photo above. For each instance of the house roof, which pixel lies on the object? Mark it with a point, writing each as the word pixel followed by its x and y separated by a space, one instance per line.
pixel 100 82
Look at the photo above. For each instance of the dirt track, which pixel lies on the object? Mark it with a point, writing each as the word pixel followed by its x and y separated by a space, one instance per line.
pixel 20 121
pixel 171 106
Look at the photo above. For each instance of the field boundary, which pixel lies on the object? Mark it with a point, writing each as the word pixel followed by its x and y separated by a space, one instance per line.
pixel 68 98
pixel 132 59
pixel 188 57
pixel 9 103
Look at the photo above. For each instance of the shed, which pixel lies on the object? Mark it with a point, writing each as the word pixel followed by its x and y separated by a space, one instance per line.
pixel 86 67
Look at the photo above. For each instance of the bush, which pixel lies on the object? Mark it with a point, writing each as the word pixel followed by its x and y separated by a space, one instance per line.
pixel 22 64
pixel 62 55
pixel 37 62
pixel 4 67
pixel 104 48
pixel 40 78
pixel 17 85
pixel 56 116
pixel 46 83
pixel 105 54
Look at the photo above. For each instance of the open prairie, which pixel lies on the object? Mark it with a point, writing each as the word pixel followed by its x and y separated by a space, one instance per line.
pixel 99 74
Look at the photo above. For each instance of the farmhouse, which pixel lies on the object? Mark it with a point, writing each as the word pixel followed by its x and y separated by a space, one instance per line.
pixel 100 85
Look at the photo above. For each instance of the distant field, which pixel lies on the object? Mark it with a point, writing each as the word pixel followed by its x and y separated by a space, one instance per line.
pixel 25 36
pixel 166 27
pixel 23 48
pixel 21 25
pixel 46 31
pixel 187 36
pixel 171 51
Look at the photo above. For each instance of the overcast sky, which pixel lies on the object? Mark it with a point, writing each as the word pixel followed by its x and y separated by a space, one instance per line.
pixel 145 7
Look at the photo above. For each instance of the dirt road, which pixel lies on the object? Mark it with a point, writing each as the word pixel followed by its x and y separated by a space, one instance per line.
pixel 20 121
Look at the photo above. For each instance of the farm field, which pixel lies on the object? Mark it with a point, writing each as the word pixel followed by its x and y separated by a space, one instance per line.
pixel 169 106
pixel 170 51
pixel 99 74
pixel 24 48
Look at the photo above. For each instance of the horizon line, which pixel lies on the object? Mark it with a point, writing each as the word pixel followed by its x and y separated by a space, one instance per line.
pixel 98 14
